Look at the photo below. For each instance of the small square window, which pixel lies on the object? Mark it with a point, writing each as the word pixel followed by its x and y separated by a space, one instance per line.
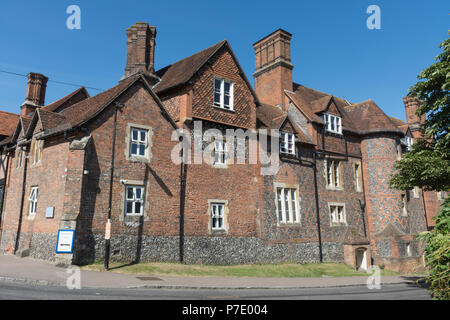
pixel 337 213
pixel 134 203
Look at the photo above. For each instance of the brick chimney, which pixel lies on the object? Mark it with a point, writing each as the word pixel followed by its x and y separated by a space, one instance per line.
pixel 273 72
pixel 35 98
pixel 414 121
pixel 141 51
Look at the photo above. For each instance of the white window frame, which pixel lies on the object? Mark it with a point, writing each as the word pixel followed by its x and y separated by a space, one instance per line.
pixel 288 209
pixel 416 192
pixel 138 142
pixel 33 200
pixel 287 143
pixel 20 155
pixel 404 206
pixel 332 123
pixel 332 174
pixel 221 91
pixel 217 216
pixel 408 249
pixel 335 217
pixel 358 177
pixel 37 144
pixel 220 152
pixel 134 199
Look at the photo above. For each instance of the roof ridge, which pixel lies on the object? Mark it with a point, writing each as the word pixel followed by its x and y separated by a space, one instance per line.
pixel 7 112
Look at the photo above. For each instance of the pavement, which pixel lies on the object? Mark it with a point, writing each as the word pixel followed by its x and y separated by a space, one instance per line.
pixel 38 272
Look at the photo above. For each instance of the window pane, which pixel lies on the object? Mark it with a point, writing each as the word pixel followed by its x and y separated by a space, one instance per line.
pixel 129 207
pixel 139 193
pixel 226 100
pixel 143 134
pixel 134 134
pixel 217 98
pixel 217 83
pixel 137 207
pixel 280 208
pixel 134 147
pixel 286 205
pixel 294 206
pixel 227 88
pixel 142 150
pixel 130 195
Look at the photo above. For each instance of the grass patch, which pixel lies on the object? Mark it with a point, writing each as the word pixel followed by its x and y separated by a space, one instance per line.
pixel 279 270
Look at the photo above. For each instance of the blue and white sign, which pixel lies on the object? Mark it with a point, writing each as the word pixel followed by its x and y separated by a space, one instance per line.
pixel 64 244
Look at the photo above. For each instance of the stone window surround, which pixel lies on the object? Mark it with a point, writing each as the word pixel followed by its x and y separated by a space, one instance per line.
pixel 20 154
pixel 227 147
pixel 297 194
pixel 133 158
pixel 225 217
pixel 358 180
pixel 340 180
pixel 40 145
pixel 336 224
pixel 133 220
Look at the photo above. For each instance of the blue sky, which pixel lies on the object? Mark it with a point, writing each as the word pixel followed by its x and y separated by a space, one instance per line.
pixel 332 49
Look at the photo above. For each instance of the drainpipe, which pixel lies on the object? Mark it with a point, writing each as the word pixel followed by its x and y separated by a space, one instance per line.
pixel 118 105
pixel 2 200
pixel 24 180
pixel 319 234
pixel 424 208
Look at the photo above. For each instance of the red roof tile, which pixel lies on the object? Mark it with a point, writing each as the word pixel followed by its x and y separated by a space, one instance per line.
pixel 79 94
pixel 8 123
pixel 182 71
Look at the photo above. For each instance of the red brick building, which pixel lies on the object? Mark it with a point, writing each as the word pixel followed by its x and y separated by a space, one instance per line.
pixel 81 159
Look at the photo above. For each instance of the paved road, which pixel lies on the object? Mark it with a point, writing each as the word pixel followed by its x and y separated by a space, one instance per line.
pixel 13 291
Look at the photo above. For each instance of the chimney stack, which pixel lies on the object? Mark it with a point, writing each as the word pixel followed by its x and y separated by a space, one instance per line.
pixel 141 51
pixel 35 98
pixel 273 72
pixel 414 121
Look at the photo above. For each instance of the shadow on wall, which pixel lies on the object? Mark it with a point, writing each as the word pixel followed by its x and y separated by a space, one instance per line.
pixel 84 243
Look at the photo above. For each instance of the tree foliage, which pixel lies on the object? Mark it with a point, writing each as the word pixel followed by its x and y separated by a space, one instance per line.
pixel 427 165
pixel 437 254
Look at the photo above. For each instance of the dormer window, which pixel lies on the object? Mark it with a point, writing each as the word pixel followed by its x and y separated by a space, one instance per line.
pixel 332 123
pixel 408 142
pixel 287 143
pixel 223 93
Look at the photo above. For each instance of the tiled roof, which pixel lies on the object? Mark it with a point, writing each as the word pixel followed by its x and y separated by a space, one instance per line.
pixel 88 108
pixel 368 117
pixel 50 119
pixel 182 71
pixel 8 123
pixel 272 117
pixel 61 103
pixel 26 121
